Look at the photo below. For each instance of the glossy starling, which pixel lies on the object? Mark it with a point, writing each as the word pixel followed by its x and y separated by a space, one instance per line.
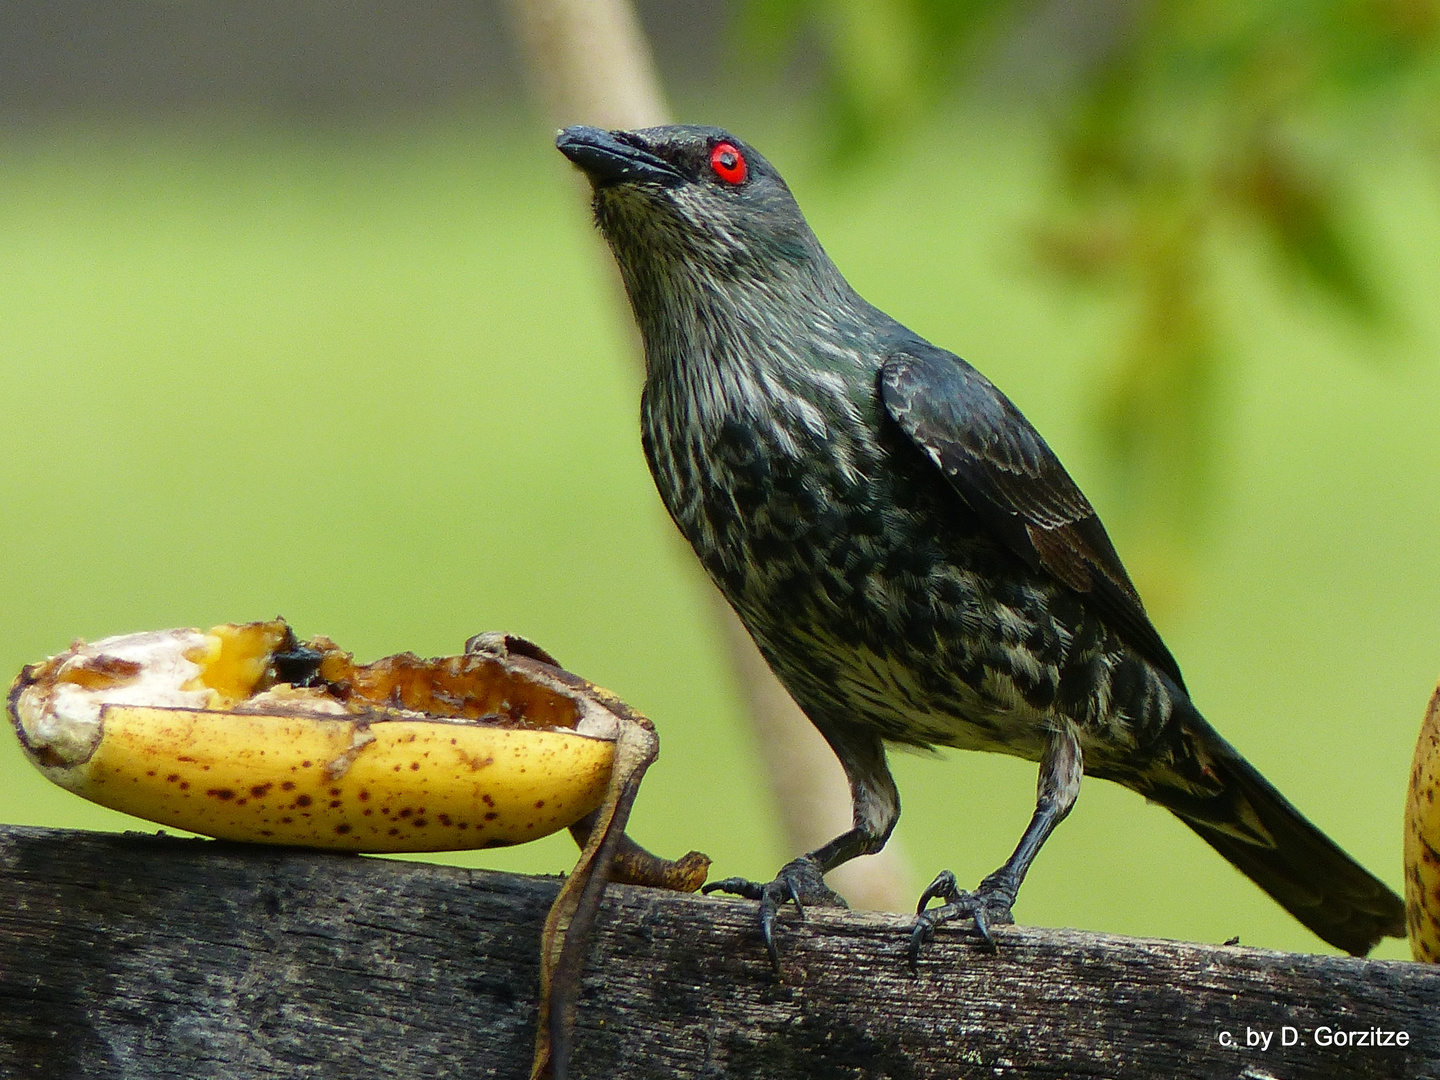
pixel 910 556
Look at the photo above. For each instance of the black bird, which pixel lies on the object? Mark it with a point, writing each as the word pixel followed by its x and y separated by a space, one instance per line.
pixel 910 556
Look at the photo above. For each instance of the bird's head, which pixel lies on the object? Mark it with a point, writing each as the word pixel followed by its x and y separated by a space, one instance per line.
pixel 691 200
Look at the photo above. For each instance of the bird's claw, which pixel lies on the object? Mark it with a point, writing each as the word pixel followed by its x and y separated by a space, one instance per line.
pixel 799 882
pixel 989 905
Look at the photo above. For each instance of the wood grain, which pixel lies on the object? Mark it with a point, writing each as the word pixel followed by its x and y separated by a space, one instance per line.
pixel 138 956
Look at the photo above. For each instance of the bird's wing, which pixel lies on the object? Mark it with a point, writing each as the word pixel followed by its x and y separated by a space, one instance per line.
pixel 1002 468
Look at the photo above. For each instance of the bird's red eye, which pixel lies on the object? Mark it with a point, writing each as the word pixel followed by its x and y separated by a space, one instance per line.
pixel 728 163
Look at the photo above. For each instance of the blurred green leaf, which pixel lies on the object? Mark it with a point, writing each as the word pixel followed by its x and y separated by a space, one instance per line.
pixel 884 62
pixel 1302 214
pixel 1181 118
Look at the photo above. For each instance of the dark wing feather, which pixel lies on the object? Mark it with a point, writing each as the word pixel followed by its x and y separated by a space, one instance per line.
pixel 1002 468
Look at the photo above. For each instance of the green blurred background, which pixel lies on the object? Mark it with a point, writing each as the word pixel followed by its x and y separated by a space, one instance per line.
pixel 301 313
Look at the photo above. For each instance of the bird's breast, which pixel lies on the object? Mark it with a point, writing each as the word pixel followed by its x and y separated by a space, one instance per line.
pixel 771 504
pixel 871 589
pixel 831 557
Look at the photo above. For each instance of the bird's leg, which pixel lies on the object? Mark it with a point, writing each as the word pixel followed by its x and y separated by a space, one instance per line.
pixel 1061 768
pixel 802 881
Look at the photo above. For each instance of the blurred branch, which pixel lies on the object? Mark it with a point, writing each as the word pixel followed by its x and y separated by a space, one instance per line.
pixel 591 64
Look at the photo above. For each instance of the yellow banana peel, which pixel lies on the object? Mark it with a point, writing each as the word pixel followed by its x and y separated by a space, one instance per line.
pixel 243 733
pixel 1422 840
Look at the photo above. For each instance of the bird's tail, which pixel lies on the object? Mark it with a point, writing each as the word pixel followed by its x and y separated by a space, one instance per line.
pixel 1209 786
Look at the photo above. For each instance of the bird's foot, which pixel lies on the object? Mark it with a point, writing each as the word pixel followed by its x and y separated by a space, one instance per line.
pixel 989 905
pixel 799 881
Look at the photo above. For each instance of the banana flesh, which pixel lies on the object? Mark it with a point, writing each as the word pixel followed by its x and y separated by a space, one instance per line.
pixel 1422 841
pixel 201 731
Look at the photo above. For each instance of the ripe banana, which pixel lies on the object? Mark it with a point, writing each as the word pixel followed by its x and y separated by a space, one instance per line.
pixel 243 733
pixel 1422 840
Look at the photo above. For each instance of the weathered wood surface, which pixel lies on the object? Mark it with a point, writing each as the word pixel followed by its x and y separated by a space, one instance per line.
pixel 138 956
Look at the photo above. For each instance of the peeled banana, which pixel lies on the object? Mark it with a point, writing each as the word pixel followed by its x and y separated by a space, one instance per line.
pixel 244 733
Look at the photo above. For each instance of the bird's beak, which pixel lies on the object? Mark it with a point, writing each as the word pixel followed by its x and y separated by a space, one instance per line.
pixel 607 158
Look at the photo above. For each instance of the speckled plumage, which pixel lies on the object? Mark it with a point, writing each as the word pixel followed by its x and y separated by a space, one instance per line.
pixel 908 554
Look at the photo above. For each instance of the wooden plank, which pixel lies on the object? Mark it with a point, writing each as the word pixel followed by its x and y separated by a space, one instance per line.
pixel 138 956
